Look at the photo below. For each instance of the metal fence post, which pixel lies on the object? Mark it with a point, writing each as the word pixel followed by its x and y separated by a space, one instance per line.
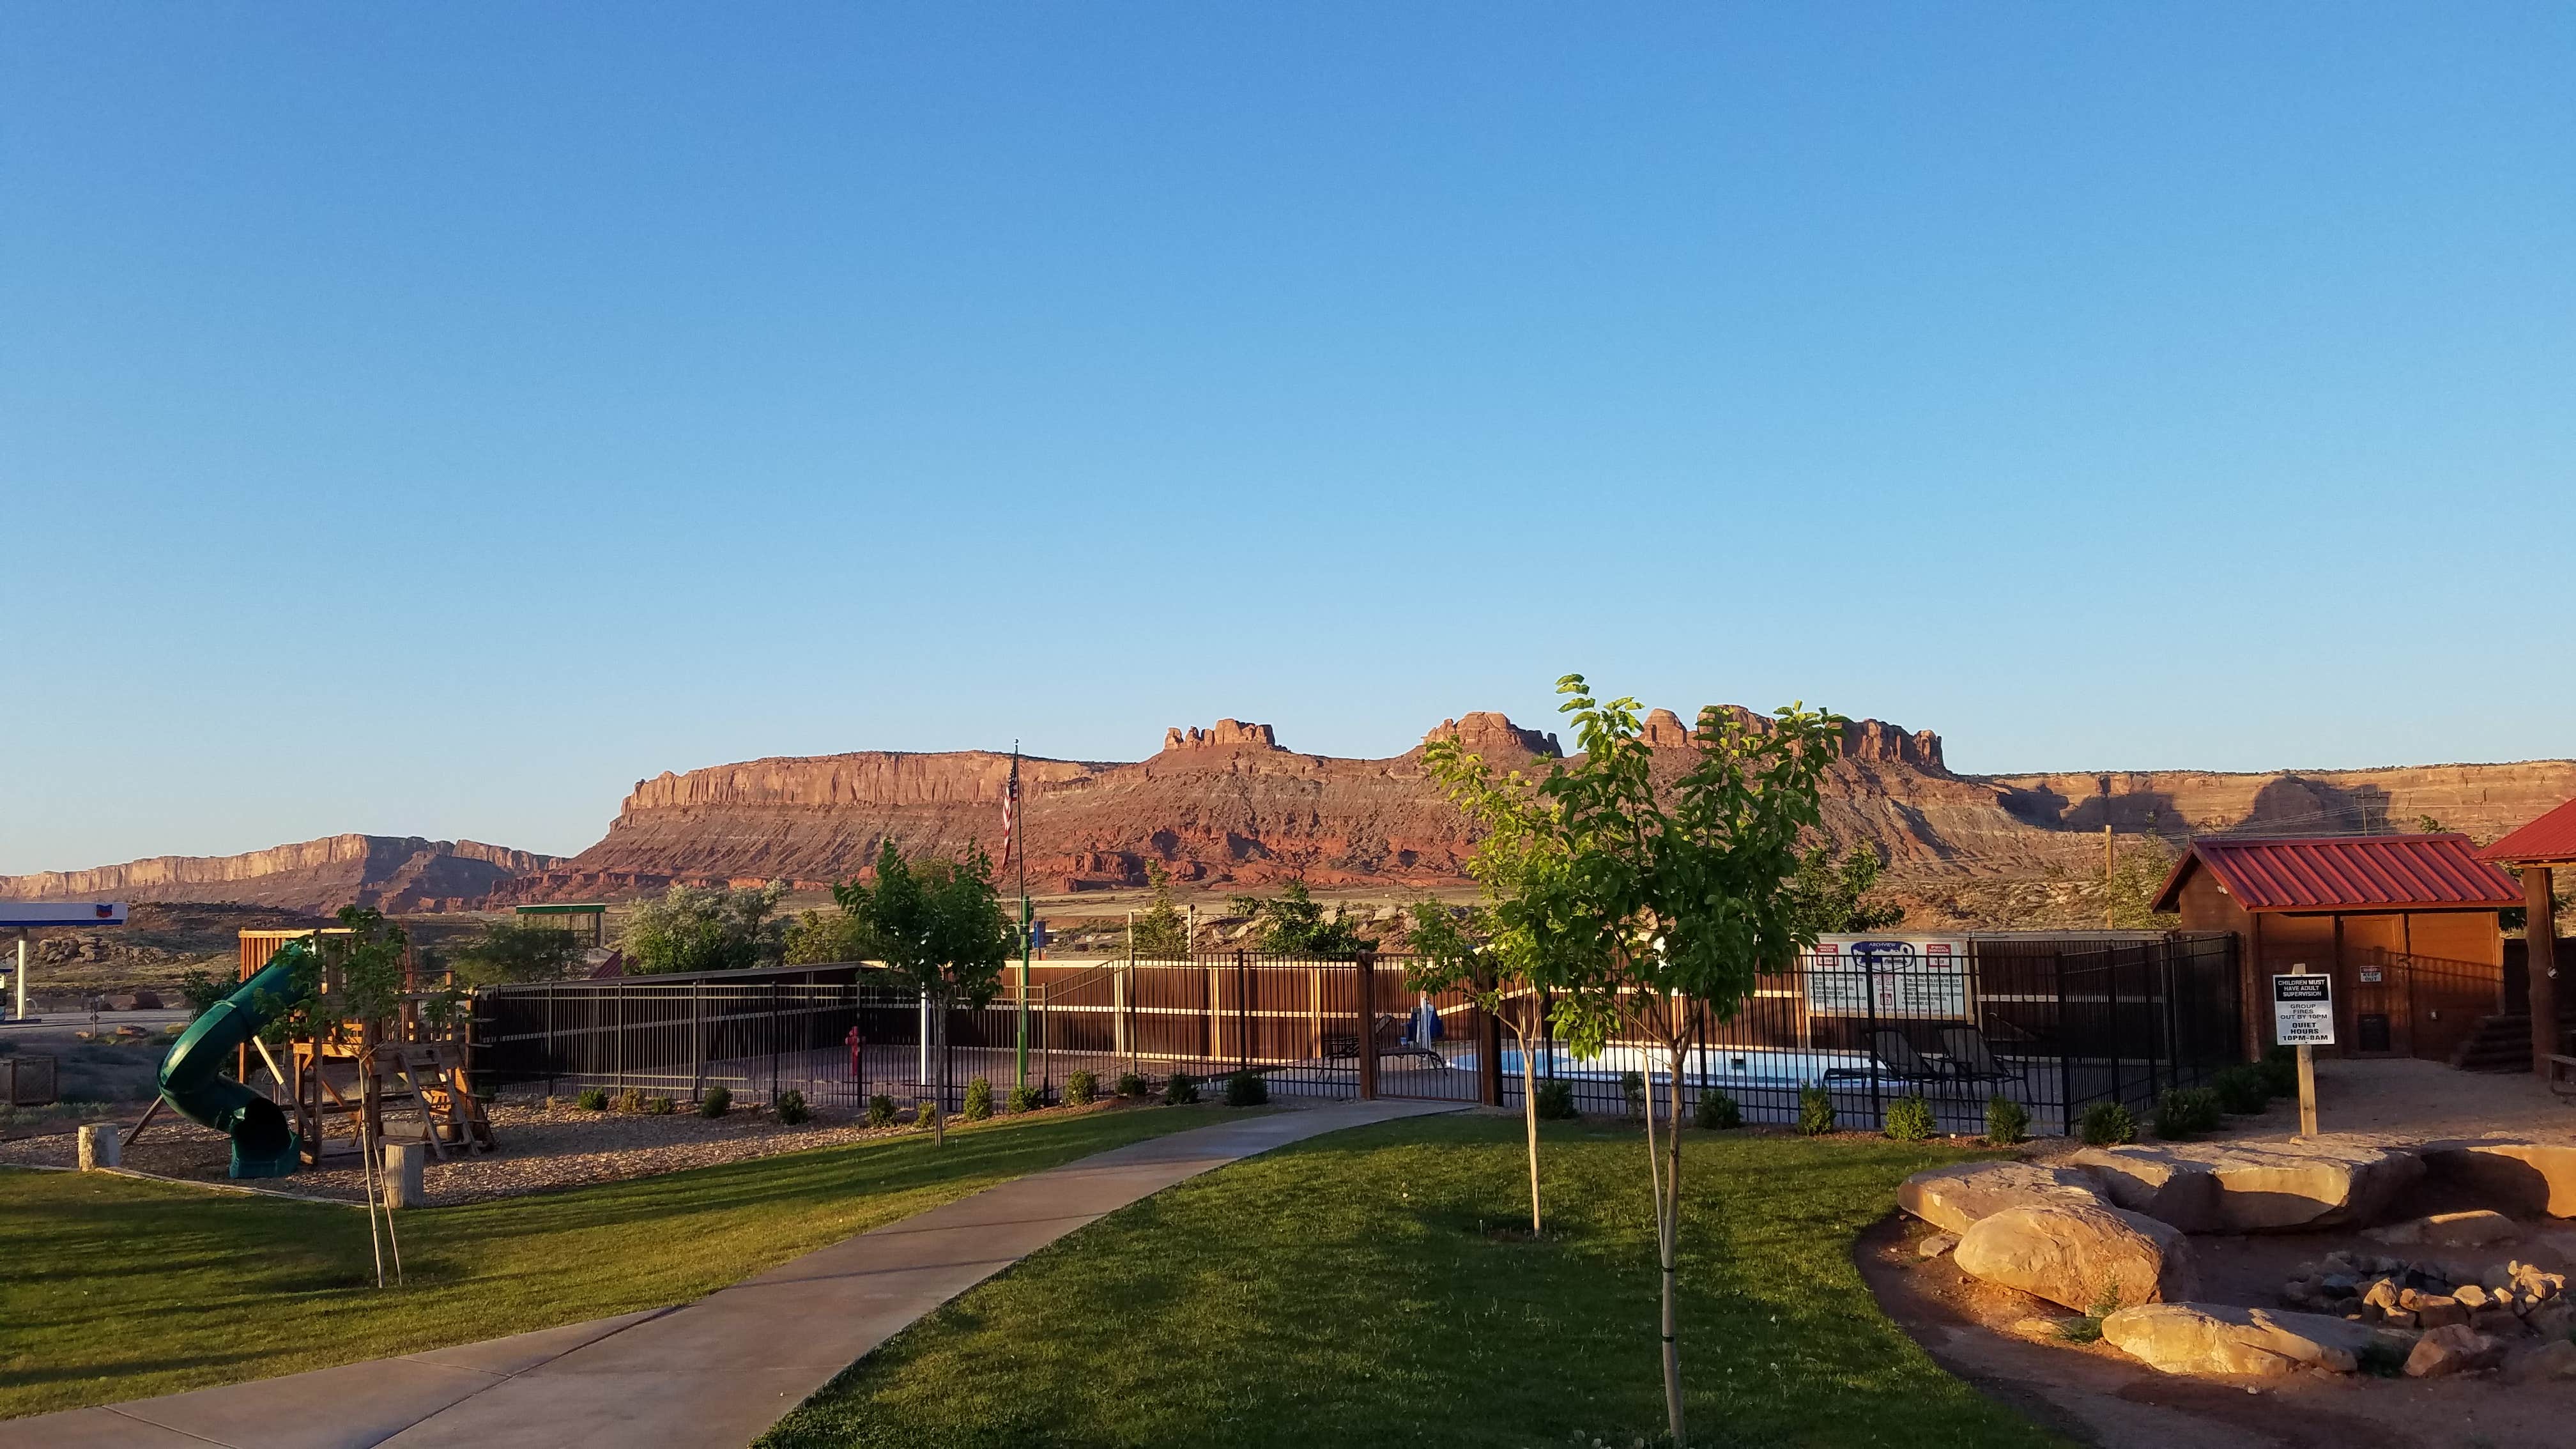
pixel 1242 1013
pixel 621 1033
pixel 1869 989
pixel 773 1043
pixel 2065 1053
pixel 2111 985
pixel 1489 1058
pixel 1367 1006
pixel 697 1041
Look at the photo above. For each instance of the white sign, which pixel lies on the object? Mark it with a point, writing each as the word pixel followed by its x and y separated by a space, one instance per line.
pixel 1916 977
pixel 2303 1010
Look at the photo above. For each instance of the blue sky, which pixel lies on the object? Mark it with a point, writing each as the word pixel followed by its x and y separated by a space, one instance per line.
pixel 431 419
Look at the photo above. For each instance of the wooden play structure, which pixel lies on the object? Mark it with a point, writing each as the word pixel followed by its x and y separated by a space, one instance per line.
pixel 401 1079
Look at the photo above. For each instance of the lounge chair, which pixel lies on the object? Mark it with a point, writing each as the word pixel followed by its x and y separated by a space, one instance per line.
pixel 1971 1058
pixel 1898 1059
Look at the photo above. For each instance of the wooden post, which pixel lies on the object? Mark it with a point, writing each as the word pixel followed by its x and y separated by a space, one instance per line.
pixel 403 1169
pixel 2307 1077
pixel 2540 946
pixel 1368 1025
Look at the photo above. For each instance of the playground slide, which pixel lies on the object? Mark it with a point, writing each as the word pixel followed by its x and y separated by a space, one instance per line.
pixel 192 1079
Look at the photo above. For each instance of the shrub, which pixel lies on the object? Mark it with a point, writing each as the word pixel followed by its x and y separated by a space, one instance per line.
pixel 880 1110
pixel 2240 1090
pixel 2108 1124
pixel 661 1106
pixel 1131 1085
pixel 717 1102
pixel 1024 1099
pixel 592 1099
pixel 630 1100
pixel 1181 1090
pixel 1632 1089
pixel 1556 1101
pixel 791 1107
pixel 2088 1328
pixel 926 1116
pixel 2280 1071
pixel 1246 1089
pixel 979 1100
pixel 1815 1111
pixel 2186 1112
pixel 1909 1119
pixel 2007 1121
pixel 1716 1111
pixel 1080 1088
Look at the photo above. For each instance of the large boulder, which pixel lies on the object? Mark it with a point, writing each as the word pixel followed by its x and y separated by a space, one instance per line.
pixel 2210 1338
pixel 2515 1177
pixel 1958 1197
pixel 2252 1187
pixel 2079 1256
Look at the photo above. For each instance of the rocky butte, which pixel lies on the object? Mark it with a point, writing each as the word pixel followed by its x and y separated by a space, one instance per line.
pixel 390 873
pixel 1228 804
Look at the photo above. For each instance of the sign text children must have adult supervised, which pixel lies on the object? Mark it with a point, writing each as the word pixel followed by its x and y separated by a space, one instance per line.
pixel 2303 1010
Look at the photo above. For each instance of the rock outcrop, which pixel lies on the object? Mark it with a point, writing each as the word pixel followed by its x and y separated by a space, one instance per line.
pixel 2252 1187
pixel 2080 1257
pixel 1960 1196
pixel 2211 1338
pixel 391 873
pixel 2522 1178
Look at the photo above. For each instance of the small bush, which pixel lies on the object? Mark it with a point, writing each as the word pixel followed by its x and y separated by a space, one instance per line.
pixel 661 1106
pixel 2088 1328
pixel 2280 1071
pixel 2108 1124
pixel 1080 1088
pixel 1246 1089
pixel 592 1099
pixel 1556 1101
pixel 2007 1121
pixel 2381 1360
pixel 1024 1099
pixel 2240 1090
pixel 880 1110
pixel 979 1100
pixel 1909 1119
pixel 2186 1112
pixel 1815 1111
pixel 1632 1089
pixel 926 1116
pixel 717 1101
pixel 1131 1085
pixel 791 1107
pixel 630 1100
pixel 1181 1090
pixel 1716 1111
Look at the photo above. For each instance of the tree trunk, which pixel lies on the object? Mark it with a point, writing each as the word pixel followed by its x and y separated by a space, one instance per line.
pixel 1657 1176
pixel 1529 1119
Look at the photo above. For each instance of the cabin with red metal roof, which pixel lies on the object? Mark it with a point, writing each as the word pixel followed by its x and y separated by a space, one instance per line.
pixel 2406 925
pixel 2539 850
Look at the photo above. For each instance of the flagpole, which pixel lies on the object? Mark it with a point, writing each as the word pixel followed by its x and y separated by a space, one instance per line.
pixel 1019 812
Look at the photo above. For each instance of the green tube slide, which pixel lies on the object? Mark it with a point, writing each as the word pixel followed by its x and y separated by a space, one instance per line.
pixel 192 1079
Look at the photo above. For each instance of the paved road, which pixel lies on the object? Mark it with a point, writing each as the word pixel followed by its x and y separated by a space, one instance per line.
pixel 709 1375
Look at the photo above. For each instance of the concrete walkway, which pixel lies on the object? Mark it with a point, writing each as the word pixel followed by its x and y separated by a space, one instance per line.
pixel 712 1374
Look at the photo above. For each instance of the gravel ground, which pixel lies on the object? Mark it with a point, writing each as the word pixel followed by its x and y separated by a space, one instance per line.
pixel 540 1147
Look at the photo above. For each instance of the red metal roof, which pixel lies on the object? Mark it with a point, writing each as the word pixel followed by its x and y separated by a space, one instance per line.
pixel 2349 872
pixel 2549 840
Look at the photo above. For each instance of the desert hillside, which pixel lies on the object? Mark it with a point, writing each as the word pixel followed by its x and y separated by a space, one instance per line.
pixel 391 873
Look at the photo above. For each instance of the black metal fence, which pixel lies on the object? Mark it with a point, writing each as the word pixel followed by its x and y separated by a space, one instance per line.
pixel 2054 1025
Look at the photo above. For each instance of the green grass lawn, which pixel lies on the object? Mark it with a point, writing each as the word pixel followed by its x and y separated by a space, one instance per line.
pixel 1353 1289
pixel 113 1288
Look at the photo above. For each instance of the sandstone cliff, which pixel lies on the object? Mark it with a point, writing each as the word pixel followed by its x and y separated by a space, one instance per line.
pixel 391 873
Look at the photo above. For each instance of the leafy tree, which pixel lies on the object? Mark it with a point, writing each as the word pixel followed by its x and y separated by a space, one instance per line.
pixel 1160 930
pixel 819 937
pixel 512 951
pixel 352 978
pixel 1668 897
pixel 2130 896
pixel 1490 951
pixel 940 929
pixel 706 928
pixel 1293 923
pixel 1834 897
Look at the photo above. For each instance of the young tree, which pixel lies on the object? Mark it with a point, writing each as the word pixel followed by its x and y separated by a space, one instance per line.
pixel 1672 896
pixel 1293 923
pixel 940 928
pixel 703 928
pixel 1490 951
pixel 1831 898
pixel 514 951
pixel 1161 931
pixel 817 938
